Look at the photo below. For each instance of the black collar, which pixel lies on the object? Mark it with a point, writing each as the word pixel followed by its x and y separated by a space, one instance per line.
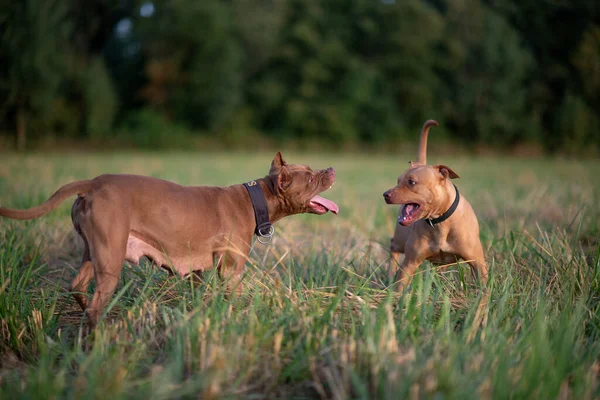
pixel 448 213
pixel 263 229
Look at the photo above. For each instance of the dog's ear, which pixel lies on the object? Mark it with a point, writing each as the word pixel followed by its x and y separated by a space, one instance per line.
pixel 284 179
pixel 278 161
pixel 446 172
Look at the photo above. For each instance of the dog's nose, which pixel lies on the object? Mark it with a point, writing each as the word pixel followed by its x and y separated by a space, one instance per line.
pixel 386 195
pixel 330 171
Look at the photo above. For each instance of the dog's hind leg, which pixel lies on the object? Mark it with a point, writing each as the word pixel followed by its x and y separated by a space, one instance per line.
pixel 81 282
pixel 107 232
pixel 108 263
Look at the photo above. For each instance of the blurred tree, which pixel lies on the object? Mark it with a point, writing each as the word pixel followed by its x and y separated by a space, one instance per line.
pixel 553 31
pixel 93 87
pixel 484 68
pixel 403 45
pixel 493 71
pixel 579 122
pixel 258 24
pixel 33 44
pixel 348 70
pixel 100 99
pixel 579 118
pixel 586 59
pixel 126 63
pixel 193 61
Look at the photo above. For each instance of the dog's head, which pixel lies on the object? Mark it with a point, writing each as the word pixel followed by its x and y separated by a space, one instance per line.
pixel 417 189
pixel 297 187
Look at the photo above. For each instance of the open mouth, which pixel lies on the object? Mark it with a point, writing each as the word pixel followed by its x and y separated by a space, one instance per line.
pixel 409 214
pixel 320 205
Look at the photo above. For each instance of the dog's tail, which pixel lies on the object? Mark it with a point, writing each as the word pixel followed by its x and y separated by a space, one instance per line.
pixel 423 143
pixel 79 187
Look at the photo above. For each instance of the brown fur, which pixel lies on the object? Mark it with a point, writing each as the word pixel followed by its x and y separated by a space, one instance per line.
pixel 181 228
pixel 455 238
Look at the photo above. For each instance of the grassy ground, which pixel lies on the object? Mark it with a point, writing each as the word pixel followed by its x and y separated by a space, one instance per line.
pixel 317 318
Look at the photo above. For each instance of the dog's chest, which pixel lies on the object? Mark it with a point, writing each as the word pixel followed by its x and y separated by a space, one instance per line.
pixel 442 253
pixel 443 258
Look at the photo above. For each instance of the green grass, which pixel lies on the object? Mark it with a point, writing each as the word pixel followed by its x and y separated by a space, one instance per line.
pixel 317 318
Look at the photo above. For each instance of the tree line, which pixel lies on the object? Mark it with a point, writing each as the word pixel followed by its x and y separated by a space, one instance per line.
pixel 153 73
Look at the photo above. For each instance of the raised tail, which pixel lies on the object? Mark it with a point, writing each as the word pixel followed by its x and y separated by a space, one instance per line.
pixel 58 197
pixel 423 143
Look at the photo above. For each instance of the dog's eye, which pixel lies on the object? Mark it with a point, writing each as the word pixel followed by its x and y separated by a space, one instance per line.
pixel 412 182
pixel 312 178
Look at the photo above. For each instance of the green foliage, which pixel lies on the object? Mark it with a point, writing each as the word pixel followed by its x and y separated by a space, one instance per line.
pixel 100 100
pixel 554 47
pixel 486 68
pixel 498 73
pixel 148 129
pixel 403 41
pixel 258 24
pixel 345 70
pixel 193 65
pixel 587 61
pixel 579 122
pixel 32 64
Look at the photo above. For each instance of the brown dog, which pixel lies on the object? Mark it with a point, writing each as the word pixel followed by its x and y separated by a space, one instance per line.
pixel 185 229
pixel 436 223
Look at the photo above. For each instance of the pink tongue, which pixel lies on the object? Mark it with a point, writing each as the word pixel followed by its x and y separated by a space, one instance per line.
pixel 328 204
pixel 408 209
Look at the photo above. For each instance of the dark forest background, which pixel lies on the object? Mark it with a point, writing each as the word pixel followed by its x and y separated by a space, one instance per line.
pixel 155 74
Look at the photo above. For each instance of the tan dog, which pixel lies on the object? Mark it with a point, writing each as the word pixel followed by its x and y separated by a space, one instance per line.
pixel 436 223
pixel 181 228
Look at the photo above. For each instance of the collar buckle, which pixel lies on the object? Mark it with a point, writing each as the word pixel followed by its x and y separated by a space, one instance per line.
pixel 264 233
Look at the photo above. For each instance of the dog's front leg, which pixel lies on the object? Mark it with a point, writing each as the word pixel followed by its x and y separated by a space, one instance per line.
pixel 394 261
pixel 405 273
pixel 231 268
pixel 416 251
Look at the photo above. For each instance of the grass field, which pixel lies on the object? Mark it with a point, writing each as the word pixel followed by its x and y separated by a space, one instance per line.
pixel 317 319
